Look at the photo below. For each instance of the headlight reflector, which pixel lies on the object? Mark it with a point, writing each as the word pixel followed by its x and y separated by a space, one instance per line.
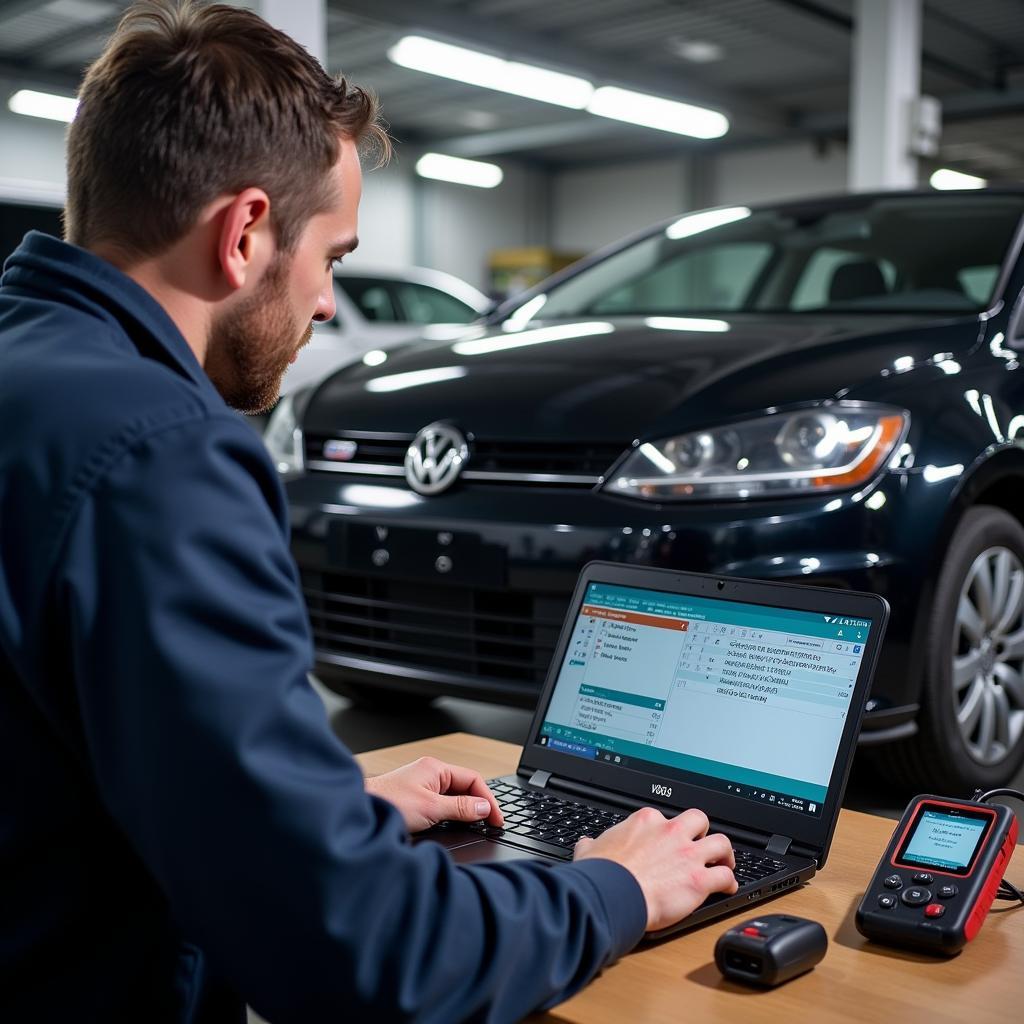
pixel 813 450
pixel 283 436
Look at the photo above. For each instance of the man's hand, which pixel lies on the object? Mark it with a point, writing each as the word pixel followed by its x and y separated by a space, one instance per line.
pixel 428 791
pixel 677 864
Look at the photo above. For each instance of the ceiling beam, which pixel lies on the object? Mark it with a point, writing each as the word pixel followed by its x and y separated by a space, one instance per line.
pixel 846 22
pixel 513 140
pixel 28 75
pixel 966 106
pixel 10 9
pixel 500 37
pixel 52 45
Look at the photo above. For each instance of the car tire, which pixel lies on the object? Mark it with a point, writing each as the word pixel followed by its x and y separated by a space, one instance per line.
pixel 971 723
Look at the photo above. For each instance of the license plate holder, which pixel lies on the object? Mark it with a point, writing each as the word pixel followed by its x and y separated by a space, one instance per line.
pixel 415 553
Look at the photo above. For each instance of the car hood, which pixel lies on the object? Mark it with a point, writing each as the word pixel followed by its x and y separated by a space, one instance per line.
pixel 615 381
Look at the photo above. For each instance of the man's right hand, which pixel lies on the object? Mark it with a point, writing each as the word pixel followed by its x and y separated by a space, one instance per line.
pixel 677 864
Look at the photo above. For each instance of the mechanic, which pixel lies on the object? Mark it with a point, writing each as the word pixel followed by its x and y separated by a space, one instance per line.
pixel 180 831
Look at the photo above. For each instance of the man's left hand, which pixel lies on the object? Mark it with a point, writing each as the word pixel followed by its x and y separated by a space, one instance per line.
pixel 428 791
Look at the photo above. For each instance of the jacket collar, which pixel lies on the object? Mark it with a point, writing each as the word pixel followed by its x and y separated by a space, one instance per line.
pixel 72 275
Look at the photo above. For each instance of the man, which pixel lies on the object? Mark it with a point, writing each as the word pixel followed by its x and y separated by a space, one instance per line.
pixel 180 832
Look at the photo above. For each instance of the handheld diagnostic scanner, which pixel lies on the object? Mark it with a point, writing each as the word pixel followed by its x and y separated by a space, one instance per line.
pixel 939 874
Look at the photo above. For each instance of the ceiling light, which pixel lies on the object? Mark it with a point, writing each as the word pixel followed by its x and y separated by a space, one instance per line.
pixel 491 72
pixel 705 220
pixel 945 178
pixel 697 51
pixel 459 171
pixel 43 104
pixel 655 112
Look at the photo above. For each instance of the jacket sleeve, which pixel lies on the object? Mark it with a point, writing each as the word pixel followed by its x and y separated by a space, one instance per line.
pixel 213 754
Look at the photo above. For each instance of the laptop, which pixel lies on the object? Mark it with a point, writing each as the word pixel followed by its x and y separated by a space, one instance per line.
pixel 675 690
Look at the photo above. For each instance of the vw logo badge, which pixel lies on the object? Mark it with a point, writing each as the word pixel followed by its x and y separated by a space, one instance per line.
pixel 435 459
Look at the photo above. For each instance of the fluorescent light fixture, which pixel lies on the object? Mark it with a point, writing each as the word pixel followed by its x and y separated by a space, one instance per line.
pixel 695 223
pixel 43 104
pixel 698 51
pixel 945 178
pixel 459 171
pixel 375 357
pixel 686 323
pixel 655 112
pixel 489 72
pixel 541 336
pixel 414 379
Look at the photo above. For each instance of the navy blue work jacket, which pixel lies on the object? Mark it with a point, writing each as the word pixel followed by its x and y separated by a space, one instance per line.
pixel 180 830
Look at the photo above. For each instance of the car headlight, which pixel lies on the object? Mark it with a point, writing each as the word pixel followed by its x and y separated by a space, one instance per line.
pixel 829 448
pixel 283 436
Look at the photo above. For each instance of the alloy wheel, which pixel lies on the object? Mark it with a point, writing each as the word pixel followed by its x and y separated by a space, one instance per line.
pixel 988 656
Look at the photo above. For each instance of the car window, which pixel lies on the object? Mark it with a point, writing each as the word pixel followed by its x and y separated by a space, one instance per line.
pixel 817 282
pixel 979 282
pixel 421 304
pixel 719 275
pixel 370 295
pixel 861 254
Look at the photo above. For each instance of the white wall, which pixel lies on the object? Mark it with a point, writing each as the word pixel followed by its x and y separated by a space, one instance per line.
pixel 777 172
pixel 460 226
pixel 386 219
pixel 593 207
pixel 31 150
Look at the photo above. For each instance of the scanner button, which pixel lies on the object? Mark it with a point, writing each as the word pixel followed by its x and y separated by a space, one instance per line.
pixel 755 932
pixel 886 902
pixel 946 892
pixel 934 910
pixel 923 878
pixel 916 897
pixel 893 882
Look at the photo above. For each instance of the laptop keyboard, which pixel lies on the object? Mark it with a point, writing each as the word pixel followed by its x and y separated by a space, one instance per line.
pixel 532 814
pixel 559 823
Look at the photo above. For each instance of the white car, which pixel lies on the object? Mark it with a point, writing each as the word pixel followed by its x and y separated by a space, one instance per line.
pixel 379 308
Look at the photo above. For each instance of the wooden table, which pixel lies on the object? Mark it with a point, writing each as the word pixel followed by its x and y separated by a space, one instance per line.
pixel 676 982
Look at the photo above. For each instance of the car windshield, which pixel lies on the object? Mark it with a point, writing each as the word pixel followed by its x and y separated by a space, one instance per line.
pixel 881 255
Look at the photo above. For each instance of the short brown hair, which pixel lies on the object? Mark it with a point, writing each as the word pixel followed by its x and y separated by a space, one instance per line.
pixel 189 102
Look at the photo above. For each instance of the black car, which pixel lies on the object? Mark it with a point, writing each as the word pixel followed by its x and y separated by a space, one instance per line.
pixel 824 391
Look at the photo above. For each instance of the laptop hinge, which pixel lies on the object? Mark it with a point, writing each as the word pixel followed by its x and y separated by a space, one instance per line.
pixel 778 845
pixel 540 779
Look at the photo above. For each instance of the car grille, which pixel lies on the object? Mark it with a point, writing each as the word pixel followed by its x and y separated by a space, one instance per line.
pixel 482 634
pixel 491 461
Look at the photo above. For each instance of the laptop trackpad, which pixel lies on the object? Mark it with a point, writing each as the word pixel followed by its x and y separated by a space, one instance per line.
pixel 480 851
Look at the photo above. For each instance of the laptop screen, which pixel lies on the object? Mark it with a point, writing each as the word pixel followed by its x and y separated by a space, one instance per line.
pixel 743 698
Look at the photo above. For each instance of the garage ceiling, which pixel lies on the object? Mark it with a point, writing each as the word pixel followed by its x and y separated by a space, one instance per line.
pixel 779 68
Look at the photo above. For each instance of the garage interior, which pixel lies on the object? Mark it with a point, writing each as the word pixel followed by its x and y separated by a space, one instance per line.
pixel 806 99
pixel 822 96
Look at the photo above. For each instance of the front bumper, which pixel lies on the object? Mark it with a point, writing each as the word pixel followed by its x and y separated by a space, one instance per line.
pixel 464 593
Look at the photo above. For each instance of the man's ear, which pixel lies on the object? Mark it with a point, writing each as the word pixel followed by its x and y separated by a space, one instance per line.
pixel 245 245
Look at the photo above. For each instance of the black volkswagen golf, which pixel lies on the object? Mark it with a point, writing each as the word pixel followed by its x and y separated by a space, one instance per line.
pixel 827 391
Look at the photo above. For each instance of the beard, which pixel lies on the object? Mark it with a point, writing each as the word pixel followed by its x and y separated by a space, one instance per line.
pixel 251 346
